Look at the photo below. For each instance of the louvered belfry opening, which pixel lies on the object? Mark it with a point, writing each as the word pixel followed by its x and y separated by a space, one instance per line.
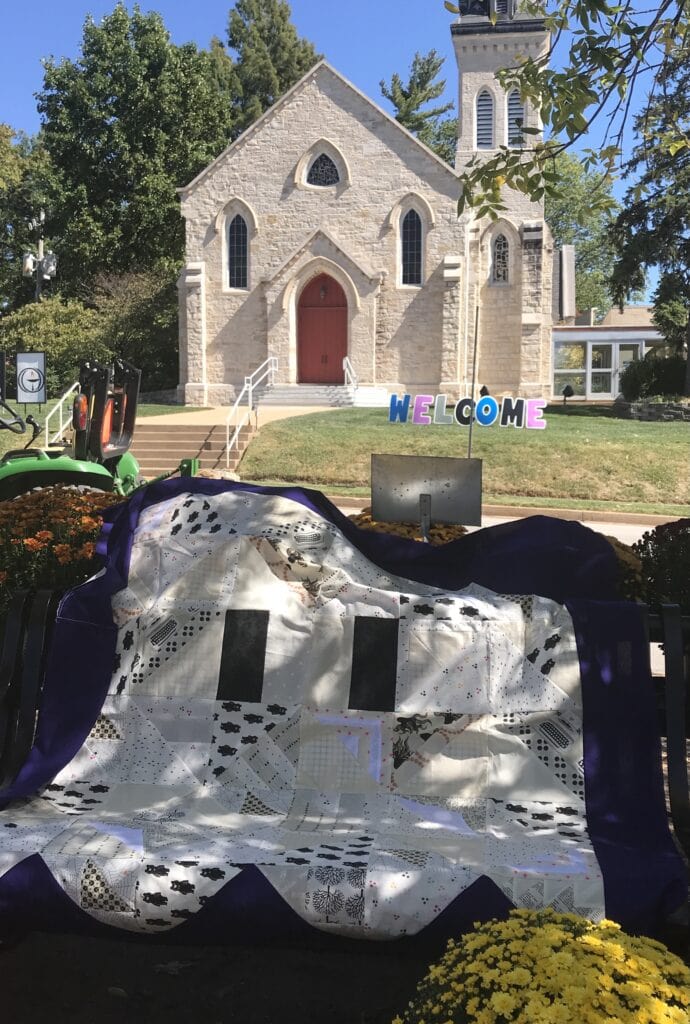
pixel 485 120
pixel 516 119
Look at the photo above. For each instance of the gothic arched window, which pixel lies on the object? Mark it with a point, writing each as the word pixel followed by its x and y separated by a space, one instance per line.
pixel 485 120
pixel 516 119
pixel 500 261
pixel 237 253
pixel 411 246
pixel 323 172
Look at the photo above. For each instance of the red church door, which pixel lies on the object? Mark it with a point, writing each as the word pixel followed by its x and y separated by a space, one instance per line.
pixel 321 332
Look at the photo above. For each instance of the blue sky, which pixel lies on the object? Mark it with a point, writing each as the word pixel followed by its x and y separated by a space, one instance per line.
pixel 366 40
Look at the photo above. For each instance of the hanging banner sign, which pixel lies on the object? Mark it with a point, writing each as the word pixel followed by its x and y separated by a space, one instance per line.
pixel 31 377
pixel 423 410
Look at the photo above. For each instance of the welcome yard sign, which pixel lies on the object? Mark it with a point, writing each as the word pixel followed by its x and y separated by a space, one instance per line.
pixel 487 411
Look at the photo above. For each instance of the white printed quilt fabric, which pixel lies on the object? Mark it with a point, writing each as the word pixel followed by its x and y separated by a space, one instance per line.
pixel 373 746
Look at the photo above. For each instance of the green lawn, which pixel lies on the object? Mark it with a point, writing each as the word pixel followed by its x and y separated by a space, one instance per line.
pixel 584 459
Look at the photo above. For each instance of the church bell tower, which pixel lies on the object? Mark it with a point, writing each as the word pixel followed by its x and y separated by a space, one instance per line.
pixel 509 261
pixel 488 117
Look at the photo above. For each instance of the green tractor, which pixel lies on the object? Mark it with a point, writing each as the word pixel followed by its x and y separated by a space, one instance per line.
pixel 103 419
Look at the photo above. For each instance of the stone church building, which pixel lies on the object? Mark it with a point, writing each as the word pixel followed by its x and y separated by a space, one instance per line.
pixel 328 231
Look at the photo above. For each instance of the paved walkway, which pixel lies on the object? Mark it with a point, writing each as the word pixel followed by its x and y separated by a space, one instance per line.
pixel 217 417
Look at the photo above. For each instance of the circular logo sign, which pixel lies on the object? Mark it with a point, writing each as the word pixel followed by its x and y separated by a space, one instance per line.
pixel 31 379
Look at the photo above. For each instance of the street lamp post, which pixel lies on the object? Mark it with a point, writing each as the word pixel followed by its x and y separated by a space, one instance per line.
pixel 44 265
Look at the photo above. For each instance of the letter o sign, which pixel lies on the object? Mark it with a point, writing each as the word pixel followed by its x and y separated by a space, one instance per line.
pixel 486 411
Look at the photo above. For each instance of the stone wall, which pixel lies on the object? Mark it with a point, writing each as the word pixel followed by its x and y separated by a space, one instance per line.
pixel 651 411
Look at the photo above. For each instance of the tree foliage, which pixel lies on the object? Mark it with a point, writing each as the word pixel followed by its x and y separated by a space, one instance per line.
pixel 605 53
pixel 410 99
pixel 269 56
pixel 575 221
pixel 126 123
pixel 26 190
pixel 137 315
pixel 653 228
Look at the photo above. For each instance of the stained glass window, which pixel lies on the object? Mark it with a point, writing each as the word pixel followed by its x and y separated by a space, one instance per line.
pixel 412 248
pixel 237 252
pixel 323 172
pixel 516 119
pixel 500 262
pixel 485 120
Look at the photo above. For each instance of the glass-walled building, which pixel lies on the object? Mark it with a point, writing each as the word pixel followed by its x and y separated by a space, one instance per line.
pixel 592 358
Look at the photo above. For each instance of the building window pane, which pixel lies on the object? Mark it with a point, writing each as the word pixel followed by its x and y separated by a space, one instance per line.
pixel 516 119
pixel 576 380
pixel 499 272
pixel 237 253
pixel 323 172
pixel 569 356
pixel 601 383
pixel 412 248
pixel 485 120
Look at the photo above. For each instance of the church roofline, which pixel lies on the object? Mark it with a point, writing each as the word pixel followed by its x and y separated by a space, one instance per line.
pixel 484 27
pixel 280 103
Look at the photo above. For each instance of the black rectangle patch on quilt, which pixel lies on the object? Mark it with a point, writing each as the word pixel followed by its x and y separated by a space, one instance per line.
pixel 241 675
pixel 374 662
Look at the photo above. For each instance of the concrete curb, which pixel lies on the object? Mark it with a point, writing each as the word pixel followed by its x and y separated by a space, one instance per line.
pixel 522 512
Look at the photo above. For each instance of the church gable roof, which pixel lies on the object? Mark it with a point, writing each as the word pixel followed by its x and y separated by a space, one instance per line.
pixel 319 69
pixel 320 243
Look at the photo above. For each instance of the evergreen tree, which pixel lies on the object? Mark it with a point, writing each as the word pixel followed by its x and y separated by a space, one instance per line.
pixel 270 56
pixel 653 228
pixel 429 125
pixel 129 121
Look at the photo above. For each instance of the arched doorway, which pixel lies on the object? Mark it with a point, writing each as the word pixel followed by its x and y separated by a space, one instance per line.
pixel 321 332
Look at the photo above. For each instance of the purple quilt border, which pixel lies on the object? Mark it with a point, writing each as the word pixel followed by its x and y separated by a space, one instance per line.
pixel 555 558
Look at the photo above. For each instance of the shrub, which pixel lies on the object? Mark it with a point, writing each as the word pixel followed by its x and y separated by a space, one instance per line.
pixel 67 332
pixel 664 554
pixel 48 537
pixel 539 967
pixel 654 375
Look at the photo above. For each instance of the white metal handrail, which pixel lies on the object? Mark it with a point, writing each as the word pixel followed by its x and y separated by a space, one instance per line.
pixel 63 420
pixel 268 370
pixel 349 372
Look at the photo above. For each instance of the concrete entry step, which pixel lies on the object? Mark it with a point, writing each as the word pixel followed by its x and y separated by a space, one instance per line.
pixel 159 448
pixel 333 396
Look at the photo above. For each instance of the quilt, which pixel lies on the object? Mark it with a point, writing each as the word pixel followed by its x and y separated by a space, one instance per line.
pixel 274 714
